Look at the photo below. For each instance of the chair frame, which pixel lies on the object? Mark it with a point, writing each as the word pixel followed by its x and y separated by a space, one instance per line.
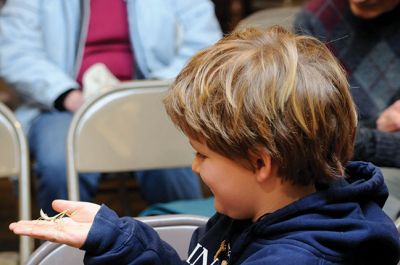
pixel 23 172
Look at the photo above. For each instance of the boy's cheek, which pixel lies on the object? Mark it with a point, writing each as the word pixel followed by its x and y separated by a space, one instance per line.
pixel 207 181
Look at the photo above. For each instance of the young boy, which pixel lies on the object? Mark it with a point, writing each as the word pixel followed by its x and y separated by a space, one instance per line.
pixel 272 121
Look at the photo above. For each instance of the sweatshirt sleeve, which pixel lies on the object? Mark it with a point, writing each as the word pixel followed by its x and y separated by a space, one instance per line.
pixel 114 240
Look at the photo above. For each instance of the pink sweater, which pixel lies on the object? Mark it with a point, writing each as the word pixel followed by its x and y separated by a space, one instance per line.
pixel 108 40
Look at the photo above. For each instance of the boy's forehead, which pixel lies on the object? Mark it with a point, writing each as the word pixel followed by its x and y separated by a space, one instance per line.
pixel 194 142
pixel 197 143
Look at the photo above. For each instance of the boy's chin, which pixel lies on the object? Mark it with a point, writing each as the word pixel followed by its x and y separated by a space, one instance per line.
pixel 230 213
pixel 218 207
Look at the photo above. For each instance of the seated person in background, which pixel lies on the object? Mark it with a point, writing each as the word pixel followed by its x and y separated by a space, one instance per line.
pixel 46 47
pixel 273 123
pixel 365 37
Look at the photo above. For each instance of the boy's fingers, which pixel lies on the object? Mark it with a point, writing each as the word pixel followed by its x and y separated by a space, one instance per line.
pixel 31 224
pixel 27 227
pixel 50 233
pixel 62 205
pixel 65 231
pixel 79 211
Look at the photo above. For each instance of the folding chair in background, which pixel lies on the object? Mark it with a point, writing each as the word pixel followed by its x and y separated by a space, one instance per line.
pixel 125 129
pixel 14 161
pixel 283 16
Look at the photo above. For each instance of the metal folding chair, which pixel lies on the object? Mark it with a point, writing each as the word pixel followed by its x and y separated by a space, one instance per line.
pixel 14 161
pixel 283 16
pixel 125 129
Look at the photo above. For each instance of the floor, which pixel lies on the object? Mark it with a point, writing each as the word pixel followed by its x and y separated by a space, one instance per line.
pixel 9 258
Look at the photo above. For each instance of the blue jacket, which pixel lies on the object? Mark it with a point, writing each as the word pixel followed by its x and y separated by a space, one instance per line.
pixel 41 43
pixel 339 224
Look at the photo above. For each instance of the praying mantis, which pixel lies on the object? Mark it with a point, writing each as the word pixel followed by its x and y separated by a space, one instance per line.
pixel 54 218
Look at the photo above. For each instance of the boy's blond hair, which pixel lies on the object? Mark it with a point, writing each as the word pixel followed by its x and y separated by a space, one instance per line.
pixel 269 90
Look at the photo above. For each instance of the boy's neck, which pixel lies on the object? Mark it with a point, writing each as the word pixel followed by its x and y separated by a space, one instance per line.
pixel 277 193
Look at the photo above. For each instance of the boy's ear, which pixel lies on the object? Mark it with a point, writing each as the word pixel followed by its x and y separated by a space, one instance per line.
pixel 262 164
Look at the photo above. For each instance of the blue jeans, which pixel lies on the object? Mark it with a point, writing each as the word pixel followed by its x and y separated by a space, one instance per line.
pixel 47 140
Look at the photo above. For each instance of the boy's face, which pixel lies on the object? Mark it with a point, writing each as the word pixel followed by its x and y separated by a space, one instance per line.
pixel 231 183
pixel 368 9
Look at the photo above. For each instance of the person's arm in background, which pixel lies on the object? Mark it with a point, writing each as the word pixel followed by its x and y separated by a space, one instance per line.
pixel 380 148
pixel 378 140
pixel 200 29
pixel 23 60
pixel 389 119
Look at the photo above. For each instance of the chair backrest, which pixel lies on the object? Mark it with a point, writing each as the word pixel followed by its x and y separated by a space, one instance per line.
pixel 125 129
pixel 392 181
pixel 283 16
pixel 174 229
pixel 14 161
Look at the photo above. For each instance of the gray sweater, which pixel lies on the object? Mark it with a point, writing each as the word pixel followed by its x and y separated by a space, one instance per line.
pixel 369 50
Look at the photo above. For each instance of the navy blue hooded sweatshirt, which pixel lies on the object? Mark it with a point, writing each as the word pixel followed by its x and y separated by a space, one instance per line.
pixel 341 223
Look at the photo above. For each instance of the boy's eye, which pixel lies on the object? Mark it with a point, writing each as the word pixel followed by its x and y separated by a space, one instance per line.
pixel 200 155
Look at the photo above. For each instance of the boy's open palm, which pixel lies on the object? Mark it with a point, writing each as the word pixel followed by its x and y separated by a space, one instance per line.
pixel 72 230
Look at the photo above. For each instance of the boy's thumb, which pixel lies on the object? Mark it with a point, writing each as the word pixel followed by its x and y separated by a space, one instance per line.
pixel 62 205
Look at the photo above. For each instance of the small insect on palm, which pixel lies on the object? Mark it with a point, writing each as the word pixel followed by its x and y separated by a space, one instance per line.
pixel 54 218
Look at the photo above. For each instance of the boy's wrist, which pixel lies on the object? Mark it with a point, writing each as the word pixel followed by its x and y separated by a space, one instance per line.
pixel 104 224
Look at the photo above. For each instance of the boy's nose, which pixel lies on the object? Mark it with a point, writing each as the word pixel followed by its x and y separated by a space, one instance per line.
pixel 195 165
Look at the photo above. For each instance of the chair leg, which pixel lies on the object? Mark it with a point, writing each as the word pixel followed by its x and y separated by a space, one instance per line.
pixel 25 248
pixel 26 243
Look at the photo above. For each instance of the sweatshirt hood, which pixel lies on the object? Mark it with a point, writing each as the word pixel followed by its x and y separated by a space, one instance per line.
pixel 343 217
